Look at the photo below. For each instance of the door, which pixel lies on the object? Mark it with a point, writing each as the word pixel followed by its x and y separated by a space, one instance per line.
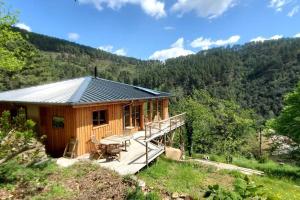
pixel 126 116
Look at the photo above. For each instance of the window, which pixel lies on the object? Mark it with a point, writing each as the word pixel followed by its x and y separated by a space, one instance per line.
pixel 149 111
pixel 58 122
pixel 160 108
pixel 154 109
pixel 100 117
pixel 127 115
pixel 136 112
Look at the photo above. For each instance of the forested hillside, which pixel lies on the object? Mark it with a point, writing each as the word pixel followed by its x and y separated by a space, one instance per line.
pixel 256 75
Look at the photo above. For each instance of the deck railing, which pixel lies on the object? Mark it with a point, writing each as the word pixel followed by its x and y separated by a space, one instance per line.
pixel 158 128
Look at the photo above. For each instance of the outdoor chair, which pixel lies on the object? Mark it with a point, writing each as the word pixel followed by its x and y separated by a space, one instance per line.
pixel 99 149
pixel 69 151
pixel 127 133
pixel 113 151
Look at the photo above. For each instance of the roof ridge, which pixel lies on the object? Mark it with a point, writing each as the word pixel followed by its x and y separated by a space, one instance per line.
pixel 44 84
pixel 81 89
pixel 135 86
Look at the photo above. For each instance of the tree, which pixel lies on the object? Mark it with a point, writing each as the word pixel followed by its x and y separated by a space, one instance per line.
pixel 18 139
pixel 288 121
pixel 215 125
pixel 14 49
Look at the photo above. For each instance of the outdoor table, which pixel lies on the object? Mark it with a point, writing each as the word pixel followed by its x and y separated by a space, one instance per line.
pixel 116 139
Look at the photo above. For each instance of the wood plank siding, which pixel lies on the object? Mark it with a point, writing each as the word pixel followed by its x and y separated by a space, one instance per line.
pixel 85 128
pixel 78 122
pixel 57 138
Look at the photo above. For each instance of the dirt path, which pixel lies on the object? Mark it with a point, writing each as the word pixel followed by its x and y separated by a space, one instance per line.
pixel 221 166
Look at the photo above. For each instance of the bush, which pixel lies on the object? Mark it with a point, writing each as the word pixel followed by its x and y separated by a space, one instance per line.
pixel 263 158
pixel 138 194
pixel 243 189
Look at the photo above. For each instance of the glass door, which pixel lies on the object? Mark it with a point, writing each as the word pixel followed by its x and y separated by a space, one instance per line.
pixel 126 116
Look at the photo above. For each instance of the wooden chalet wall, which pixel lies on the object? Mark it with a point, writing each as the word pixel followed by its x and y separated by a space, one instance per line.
pixel 165 108
pixel 78 123
pixel 57 138
pixel 85 129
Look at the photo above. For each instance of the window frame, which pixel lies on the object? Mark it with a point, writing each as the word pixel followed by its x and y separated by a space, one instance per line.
pixel 99 124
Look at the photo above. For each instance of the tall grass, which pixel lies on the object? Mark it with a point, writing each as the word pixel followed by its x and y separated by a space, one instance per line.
pixel 271 168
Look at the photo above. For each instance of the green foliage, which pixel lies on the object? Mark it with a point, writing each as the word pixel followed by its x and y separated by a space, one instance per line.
pixel 172 176
pixel 214 125
pixel 193 179
pixel 288 122
pixel 215 192
pixel 247 188
pixel 17 135
pixel 137 194
pixel 15 51
pixel 243 189
pixel 271 168
pixel 255 75
pixel 12 172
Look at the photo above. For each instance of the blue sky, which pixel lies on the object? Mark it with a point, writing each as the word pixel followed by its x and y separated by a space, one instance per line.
pixel 160 29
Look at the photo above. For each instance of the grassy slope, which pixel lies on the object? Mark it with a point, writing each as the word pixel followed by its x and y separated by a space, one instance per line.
pixel 193 179
pixel 81 181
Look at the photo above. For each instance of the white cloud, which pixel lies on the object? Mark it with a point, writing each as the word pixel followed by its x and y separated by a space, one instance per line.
pixel 206 43
pixel 262 39
pixel 203 8
pixel 294 11
pixel 110 48
pixel 297 35
pixel 179 43
pixel 279 4
pixel 176 50
pixel 276 37
pixel 120 52
pixel 73 36
pixel 169 28
pixel 23 26
pixel 154 8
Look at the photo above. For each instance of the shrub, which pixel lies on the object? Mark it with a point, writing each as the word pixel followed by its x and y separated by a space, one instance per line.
pixel 138 194
pixel 243 189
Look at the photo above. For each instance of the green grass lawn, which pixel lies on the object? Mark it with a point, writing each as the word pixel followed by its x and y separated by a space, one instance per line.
pixel 193 179
pixel 171 176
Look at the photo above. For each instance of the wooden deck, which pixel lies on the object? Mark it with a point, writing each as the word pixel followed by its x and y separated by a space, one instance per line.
pixel 142 149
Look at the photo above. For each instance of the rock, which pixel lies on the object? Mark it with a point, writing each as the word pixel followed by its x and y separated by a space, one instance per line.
pixel 173 153
pixel 66 162
pixel 182 195
pixel 175 195
pixel 141 183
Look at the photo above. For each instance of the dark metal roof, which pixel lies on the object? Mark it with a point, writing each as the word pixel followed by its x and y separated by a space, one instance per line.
pixel 102 90
pixel 83 90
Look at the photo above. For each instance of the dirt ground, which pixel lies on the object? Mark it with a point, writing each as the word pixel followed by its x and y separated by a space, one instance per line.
pixel 80 182
pixel 101 184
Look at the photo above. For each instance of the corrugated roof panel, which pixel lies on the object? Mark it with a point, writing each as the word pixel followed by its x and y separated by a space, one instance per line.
pixel 59 92
pixel 80 90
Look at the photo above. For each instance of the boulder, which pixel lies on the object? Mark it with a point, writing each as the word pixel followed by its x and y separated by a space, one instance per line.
pixel 173 153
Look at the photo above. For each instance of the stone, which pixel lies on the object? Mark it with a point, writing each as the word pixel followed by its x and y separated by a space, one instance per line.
pixel 175 195
pixel 173 153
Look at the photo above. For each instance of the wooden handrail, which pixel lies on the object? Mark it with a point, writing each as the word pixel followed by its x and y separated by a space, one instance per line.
pixel 173 121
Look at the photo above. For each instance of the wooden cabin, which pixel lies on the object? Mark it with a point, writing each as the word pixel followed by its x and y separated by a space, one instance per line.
pixel 81 107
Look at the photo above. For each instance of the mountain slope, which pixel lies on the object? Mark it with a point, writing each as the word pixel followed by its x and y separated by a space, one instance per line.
pixel 256 75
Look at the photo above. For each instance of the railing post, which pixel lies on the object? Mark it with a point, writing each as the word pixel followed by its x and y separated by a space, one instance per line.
pixel 147 154
pixel 146 131
pixel 159 126
pixel 165 141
